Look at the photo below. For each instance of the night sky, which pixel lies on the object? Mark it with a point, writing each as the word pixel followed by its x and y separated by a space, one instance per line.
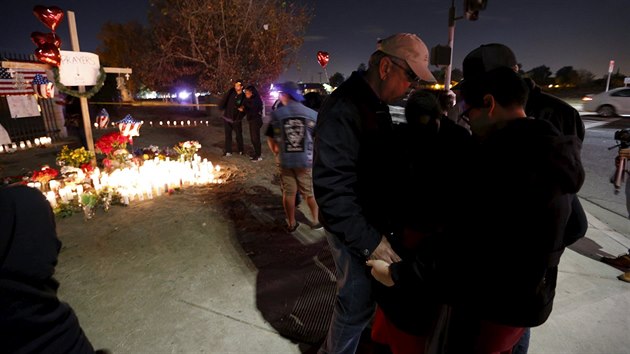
pixel 585 34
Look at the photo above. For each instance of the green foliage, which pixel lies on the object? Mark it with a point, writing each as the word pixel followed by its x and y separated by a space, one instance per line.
pixel 74 158
pixel 540 74
pixel 336 79
pixel 100 80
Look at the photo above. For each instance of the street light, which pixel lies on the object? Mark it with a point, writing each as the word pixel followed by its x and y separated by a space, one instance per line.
pixel 471 11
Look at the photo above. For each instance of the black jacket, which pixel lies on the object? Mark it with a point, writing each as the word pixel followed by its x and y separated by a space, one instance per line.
pixel 567 120
pixel 499 260
pixel 352 167
pixel 32 319
pixel 253 108
pixel 428 200
pixel 561 115
pixel 230 103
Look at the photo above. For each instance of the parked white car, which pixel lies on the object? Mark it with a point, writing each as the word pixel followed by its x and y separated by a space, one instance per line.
pixel 607 104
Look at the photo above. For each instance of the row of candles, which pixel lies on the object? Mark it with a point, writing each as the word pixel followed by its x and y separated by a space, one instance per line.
pixel 153 178
pixel 25 144
pixel 168 123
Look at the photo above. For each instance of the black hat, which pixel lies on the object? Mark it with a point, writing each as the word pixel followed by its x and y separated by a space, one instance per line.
pixel 485 58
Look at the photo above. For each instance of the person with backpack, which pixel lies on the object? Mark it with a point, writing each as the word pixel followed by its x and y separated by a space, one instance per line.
pixel 496 267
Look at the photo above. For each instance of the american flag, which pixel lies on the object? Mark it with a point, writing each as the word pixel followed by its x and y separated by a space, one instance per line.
pixel 17 81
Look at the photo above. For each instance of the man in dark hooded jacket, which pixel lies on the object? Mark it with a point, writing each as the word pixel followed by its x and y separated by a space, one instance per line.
pixel 32 319
pixel 497 266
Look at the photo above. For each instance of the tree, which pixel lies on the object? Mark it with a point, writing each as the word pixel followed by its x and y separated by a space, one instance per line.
pixel 540 74
pixel 585 77
pixel 212 42
pixel 440 75
pixel 567 76
pixel 336 79
pixel 126 45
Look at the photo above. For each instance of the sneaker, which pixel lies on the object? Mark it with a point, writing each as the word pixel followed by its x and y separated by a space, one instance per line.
pixel 256 159
pixel 291 229
pixel 622 261
pixel 240 153
pixel 227 154
pixel 317 226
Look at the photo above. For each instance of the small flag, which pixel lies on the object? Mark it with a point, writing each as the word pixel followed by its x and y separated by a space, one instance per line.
pixel 43 87
pixel 102 118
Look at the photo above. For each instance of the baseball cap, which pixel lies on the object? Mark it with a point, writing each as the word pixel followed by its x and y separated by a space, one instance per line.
pixel 488 57
pixel 411 49
pixel 291 89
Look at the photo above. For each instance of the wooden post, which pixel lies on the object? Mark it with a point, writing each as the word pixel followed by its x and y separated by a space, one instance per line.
pixel 87 123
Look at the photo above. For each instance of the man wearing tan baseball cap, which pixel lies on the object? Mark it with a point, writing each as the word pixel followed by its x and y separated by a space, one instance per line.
pixel 354 177
pixel 412 50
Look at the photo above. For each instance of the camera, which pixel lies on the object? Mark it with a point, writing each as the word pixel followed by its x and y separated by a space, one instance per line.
pixel 623 136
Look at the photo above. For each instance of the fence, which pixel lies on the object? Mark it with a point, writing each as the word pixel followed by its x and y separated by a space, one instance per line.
pixel 29 128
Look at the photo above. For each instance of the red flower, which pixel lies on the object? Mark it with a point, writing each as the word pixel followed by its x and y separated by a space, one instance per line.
pixel 111 142
pixel 87 168
pixel 45 174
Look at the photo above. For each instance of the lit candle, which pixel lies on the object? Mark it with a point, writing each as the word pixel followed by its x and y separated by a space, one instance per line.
pixel 1 149
pixel 53 185
pixel 28 144
pixel 51 199
pixel 37 143
pixel 14 146
pixel 188 122
pixel 22 145
pixel 168 122
pixel 160 122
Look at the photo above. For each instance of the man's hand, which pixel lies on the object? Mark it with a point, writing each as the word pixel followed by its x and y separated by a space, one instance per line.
pixel 381 272
pixel 385 252
pixel 624 153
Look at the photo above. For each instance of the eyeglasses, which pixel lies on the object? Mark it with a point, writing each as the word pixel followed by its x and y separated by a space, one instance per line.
pixel 464 115
pixel 411 76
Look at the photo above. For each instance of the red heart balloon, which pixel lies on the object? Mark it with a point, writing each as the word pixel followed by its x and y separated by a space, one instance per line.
pixel 40 39
pixel 50 16
pixel 49 54
pixel 322 58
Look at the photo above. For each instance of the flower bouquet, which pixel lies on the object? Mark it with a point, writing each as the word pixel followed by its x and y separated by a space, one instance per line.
pixel 44 175
pixel 114 146
pixel 187 149
pixel 74 158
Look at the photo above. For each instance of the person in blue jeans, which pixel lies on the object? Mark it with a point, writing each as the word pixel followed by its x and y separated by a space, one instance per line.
pixel 353 179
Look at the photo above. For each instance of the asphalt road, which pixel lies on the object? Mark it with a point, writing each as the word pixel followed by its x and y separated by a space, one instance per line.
pixel 599 164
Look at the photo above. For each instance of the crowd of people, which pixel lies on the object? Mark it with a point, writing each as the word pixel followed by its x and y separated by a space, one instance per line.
pixel 463 230
pixel 446 237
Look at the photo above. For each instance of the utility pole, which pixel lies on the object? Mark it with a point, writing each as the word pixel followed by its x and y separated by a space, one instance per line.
pixel 471 13
pixel 451 43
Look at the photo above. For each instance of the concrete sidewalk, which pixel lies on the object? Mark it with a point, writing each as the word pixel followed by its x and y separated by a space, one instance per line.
pixel 205 291
pixel 592 307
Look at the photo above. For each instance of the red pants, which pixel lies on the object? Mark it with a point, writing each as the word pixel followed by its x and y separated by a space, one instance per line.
pixel 489 337
pixel 399 342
